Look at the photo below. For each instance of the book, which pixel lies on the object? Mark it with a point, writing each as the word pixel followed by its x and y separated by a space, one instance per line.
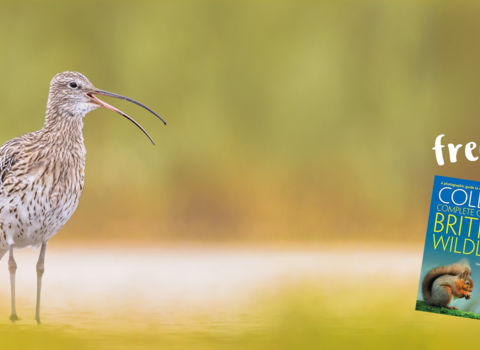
pixel 450 273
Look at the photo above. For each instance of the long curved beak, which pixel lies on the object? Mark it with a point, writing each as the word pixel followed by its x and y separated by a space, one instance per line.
pixel 99 102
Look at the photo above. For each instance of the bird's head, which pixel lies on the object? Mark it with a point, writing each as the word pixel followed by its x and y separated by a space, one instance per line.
pixel 73 95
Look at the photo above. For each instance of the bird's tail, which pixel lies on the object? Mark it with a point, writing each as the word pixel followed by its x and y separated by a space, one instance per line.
pixel 2 253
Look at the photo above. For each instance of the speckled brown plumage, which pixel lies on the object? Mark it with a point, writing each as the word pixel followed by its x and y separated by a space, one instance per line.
pixel 42 173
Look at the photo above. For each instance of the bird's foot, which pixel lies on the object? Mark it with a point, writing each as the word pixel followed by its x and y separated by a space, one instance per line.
pixel 14 318
pixel 38 320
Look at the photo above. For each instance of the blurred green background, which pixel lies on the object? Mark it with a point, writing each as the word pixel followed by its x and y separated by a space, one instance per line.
pixel 287 121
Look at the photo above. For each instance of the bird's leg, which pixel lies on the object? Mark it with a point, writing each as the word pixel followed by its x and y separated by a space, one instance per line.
pixel 40 271
pixel 12 267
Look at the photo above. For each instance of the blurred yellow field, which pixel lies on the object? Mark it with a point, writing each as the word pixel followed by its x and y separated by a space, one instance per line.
pixel 226 298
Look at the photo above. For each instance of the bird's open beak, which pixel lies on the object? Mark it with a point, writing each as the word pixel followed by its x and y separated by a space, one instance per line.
pixel 99 102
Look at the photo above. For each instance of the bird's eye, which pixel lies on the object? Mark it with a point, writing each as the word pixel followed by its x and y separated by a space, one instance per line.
pixel 73 85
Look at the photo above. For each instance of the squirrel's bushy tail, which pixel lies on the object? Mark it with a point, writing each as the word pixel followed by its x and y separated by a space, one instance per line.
pixel 431 276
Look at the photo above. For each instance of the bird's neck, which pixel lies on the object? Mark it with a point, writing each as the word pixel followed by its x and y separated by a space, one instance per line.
pixel 62 127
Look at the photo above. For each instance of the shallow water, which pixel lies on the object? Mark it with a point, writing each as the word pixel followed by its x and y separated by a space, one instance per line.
pixel 216 297
pixel 144 287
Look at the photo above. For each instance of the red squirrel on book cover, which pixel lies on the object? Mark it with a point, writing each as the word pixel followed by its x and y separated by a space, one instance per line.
pixel 444 282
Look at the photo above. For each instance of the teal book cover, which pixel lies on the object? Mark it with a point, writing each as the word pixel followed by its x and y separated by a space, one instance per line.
pixel 450 274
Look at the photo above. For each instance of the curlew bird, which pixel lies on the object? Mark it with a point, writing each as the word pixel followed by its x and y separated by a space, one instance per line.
pixel 42 173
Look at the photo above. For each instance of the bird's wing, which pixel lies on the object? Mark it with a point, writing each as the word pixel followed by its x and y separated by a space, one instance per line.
pixel 9 156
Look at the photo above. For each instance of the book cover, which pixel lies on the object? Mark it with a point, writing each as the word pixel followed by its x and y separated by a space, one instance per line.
pixel 450 274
